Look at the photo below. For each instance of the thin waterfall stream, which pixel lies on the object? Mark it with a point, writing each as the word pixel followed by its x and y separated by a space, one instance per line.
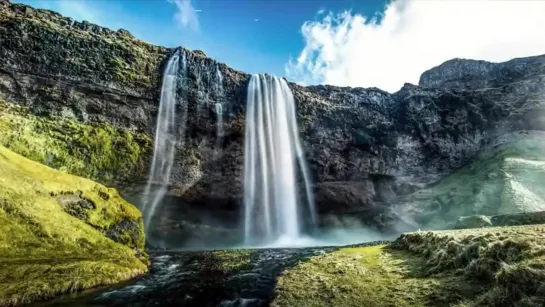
pixel 165 138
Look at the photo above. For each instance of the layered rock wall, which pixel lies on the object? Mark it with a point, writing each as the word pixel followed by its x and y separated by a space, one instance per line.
pixel 367 149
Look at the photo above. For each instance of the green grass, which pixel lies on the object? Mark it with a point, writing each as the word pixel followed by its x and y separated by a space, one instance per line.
pixel 485 267
pixel 46 251
pixel 98 151
pixel 503 180
pixel 509 262
pixel 362 276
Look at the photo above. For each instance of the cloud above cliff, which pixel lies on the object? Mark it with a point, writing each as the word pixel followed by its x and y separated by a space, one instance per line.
pixel 411 36
pixel 186 15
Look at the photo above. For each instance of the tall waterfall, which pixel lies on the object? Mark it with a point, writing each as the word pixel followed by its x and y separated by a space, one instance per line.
pixel 165 138
pixel 219 108
pixel 273 160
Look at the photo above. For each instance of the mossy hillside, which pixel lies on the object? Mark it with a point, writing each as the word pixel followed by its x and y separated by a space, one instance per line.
pixel 44 250
pixel 97 151
pixel 502 180
pixel 501 266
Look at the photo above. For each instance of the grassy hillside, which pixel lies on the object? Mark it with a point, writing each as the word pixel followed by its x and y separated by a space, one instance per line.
pixel 502 266
pixel 505 179
pixel 61 233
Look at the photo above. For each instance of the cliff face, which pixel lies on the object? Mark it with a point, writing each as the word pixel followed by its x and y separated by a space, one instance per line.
pixel 367 149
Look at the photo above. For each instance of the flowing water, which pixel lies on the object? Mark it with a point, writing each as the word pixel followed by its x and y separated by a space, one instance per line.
pixel 219 125
pixel 273 162
pixel 200 279
pixel 165 137
pixel 219 108
pixel 197 279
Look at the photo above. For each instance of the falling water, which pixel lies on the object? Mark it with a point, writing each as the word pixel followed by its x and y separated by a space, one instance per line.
pixel 219 124
pixel 219 108
pixel 273 157
pixel 165 138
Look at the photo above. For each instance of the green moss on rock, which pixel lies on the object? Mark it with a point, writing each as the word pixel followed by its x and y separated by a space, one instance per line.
pixel 96 151
pixel 45 250
pixel 78 50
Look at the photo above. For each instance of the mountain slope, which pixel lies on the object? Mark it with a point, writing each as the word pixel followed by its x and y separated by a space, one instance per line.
pixel 61 233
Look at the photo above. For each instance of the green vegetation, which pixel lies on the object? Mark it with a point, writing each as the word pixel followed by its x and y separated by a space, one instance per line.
pixel 362 276
pixel 504 180
pixel 97 151
pixel 508 262
pixel 479 267
pixel 57 233
pixel 116 55
pixel 232 260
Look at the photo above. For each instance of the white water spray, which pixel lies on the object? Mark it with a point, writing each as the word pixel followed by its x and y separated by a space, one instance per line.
pixel 165 138
pixel 273 157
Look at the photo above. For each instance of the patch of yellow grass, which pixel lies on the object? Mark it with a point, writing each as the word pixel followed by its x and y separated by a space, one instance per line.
pixel 44 250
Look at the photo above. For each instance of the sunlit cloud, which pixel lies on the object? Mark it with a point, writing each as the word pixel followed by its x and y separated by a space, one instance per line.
pixel 186 15
pixel 349 49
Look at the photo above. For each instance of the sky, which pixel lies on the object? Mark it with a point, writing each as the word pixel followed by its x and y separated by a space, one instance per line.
pixel 358 43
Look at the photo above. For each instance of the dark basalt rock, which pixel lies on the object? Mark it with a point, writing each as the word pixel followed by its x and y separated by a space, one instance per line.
pixel 367 149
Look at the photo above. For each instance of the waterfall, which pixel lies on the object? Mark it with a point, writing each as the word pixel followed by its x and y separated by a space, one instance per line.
pixel 165 138
pixel 219 125
pixel 273 159
pixel 219 108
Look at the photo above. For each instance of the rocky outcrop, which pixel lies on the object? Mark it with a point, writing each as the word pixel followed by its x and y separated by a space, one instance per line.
pixel 464 73
pixel 369 151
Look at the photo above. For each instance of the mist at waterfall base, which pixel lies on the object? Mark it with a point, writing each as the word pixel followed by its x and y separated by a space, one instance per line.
pixel 279 209
pixel 278 202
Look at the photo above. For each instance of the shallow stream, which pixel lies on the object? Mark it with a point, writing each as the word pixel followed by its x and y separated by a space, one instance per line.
pixel 205 278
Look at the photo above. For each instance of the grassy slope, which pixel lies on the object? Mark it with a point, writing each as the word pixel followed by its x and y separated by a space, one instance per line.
pixel 43 249
pixel 478 267
pixel 98 151
pixel 503 180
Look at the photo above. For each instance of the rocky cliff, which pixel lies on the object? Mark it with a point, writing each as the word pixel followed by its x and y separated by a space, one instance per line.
pixel 84 98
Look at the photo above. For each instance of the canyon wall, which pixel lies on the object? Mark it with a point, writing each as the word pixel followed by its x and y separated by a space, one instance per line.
pixel 84 99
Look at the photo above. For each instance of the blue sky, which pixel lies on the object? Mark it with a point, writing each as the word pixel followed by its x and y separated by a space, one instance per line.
pixel 227 29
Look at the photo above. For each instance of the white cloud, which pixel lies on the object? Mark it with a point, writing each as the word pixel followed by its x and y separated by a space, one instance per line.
pixel 186 15
pixel 352 50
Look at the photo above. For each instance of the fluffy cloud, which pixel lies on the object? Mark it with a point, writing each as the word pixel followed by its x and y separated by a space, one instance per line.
pixel 412 36
pixel 186 15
